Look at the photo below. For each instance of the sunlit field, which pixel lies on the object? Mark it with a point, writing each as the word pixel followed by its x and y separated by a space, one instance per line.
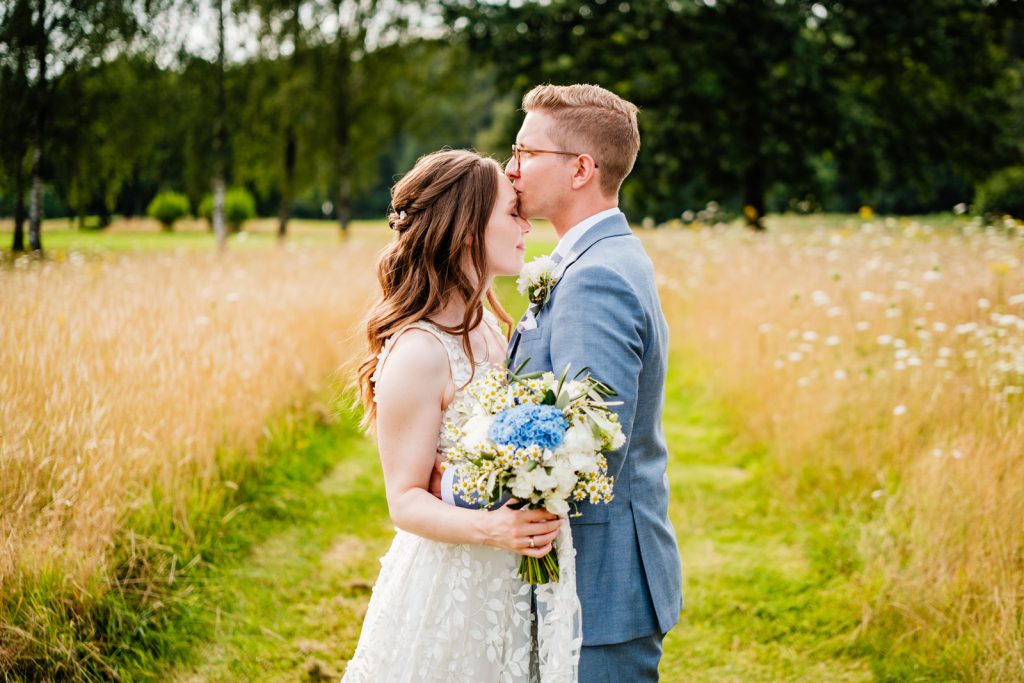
pixel 134 387
pixel 880 364
pixel 883 363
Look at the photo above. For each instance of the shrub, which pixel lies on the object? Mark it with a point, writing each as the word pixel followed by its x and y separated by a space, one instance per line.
pixel 168 207
pixel 239 206
pixel 1002 193
pixel 206 209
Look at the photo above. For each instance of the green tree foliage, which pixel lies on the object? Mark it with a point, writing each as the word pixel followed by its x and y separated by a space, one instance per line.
pixel 168 208
pixel 759 101
pixel 48 42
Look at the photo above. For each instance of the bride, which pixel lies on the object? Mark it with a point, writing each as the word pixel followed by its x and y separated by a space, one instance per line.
pixel 447 605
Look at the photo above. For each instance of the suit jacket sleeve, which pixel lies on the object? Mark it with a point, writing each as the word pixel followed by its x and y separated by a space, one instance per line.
pixel 597 322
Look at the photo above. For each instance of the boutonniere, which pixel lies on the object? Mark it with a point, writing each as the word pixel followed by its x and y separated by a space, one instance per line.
pixel 536 280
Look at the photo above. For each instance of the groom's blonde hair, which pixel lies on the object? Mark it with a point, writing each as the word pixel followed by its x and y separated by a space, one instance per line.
pixel 591 120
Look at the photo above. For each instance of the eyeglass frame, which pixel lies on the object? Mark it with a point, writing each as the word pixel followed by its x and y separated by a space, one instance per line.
pixel 518 150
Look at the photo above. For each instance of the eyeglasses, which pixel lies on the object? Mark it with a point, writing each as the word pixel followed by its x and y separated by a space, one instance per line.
pixel 518 151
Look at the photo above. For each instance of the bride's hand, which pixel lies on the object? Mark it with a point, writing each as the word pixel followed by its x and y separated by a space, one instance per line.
pixel 435 476
pixel 512 530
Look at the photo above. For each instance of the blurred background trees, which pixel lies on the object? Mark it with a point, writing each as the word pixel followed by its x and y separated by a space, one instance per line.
pixel 760 105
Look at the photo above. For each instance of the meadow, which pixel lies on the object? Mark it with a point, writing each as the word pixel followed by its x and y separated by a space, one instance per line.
pixel 185 495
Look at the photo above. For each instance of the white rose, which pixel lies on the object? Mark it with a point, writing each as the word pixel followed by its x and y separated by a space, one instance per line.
pixel 557 506
pixel 584 463
pixel 540 480
pixel 563 473
pixel 533 271
pixel 579 439
pixel 521 487
pixel 476 429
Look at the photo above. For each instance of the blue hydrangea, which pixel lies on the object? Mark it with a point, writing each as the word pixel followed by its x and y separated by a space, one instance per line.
pixel 528 425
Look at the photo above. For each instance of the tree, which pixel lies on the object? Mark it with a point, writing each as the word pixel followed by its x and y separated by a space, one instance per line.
pixel 368 70
pixel 54 38
pixel 275 150
pixel 15 121
pixel 106 135
pixel 743 100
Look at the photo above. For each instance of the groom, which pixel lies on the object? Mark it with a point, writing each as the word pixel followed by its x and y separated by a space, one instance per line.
pixel 575 147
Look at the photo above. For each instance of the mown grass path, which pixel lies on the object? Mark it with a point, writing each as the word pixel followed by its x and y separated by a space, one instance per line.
pixel 763 599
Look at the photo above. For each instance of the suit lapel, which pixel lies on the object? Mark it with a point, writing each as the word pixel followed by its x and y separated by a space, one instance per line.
pixel 613 226
pixel 513 343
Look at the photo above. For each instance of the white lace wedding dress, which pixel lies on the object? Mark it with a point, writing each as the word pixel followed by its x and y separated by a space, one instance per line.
pixel 458 613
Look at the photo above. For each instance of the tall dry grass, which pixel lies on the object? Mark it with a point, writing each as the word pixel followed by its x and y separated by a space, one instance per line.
pixel 124 379
pixel 884 362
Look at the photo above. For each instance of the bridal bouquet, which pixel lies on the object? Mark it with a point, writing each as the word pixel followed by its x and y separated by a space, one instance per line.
pixel 538 438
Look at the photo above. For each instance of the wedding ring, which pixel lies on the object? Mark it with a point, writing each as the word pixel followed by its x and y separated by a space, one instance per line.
pixel 532 544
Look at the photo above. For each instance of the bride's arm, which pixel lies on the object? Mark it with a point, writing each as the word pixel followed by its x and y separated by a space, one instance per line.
pixel 410 392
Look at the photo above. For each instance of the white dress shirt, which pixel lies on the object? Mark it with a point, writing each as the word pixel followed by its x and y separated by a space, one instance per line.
pixel 571 238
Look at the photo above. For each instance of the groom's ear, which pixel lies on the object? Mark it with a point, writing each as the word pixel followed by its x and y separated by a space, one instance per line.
pixel 584 171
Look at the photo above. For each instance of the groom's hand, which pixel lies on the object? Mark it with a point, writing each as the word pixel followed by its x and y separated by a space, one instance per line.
pixel 435 476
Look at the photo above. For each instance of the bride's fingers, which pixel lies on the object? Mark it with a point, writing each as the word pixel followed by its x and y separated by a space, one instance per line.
pixel 538 552
pixel 544 539
pixel 537 528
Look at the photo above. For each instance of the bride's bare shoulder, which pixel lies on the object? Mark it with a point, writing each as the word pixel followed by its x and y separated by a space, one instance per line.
pixel 417 364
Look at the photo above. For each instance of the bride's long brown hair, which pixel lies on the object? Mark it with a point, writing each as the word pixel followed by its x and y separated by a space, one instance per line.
pixel 439 212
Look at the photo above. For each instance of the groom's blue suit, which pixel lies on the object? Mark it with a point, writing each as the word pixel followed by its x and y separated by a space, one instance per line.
pixel 604 314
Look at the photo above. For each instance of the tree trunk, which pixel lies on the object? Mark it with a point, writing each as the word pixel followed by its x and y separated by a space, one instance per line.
pixel 219 229
pixel 219 138
pixel 343 131
pixel 35 223
pixel 35 212
pixel 290 143
pixel 287 186
pixel 753 194
pixel 344 205
pixel 19 211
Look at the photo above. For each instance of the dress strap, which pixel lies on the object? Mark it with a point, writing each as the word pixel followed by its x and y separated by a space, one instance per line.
pixel 462 369
pixel 492 320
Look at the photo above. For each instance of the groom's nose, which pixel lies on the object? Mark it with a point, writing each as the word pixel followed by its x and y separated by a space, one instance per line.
pixel 512 169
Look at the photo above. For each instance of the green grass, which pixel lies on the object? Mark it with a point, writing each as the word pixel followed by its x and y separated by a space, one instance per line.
pixel 762 603
pixel 60 237
pixel 166 588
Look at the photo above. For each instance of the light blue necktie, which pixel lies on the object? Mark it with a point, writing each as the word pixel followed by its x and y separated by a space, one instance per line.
pixel 556 258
